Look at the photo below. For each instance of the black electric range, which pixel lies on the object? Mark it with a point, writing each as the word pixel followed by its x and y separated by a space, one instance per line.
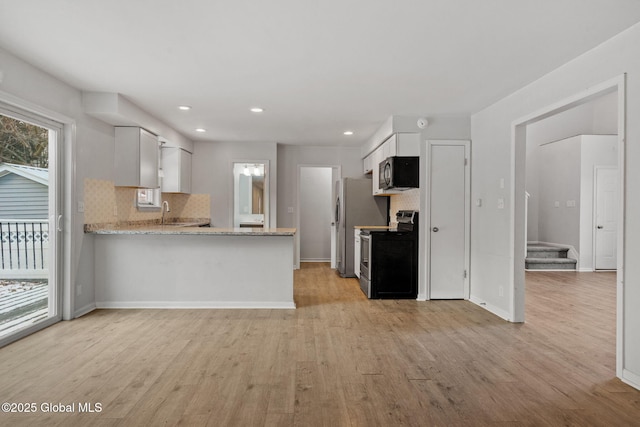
pixel 389 259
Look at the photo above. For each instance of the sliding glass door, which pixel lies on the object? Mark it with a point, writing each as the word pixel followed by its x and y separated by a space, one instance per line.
pixel 30 215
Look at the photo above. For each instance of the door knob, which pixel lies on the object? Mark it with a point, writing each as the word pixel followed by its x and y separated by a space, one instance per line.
pixel 436 229
pixel 600 227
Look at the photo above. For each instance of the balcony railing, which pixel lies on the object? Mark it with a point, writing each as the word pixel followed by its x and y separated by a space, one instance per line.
pixel 24 248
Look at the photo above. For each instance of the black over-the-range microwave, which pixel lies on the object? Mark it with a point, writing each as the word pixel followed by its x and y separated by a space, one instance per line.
pixel 399 173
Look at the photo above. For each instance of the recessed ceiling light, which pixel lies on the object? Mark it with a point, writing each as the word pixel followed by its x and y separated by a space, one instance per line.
pixel 201 130
pixel 184 107
pixel 257 110
pixel 348 132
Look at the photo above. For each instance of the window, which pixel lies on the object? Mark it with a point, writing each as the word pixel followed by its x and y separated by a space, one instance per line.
pixel 148 199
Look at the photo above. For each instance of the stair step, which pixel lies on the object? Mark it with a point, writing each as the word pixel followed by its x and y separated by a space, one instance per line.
pixel 550 263
pixel 539 251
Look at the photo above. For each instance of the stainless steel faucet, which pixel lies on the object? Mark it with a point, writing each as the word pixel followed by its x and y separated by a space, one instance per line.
pixel 165 208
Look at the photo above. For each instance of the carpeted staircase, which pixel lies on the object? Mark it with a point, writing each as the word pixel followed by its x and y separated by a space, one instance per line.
pixel 542 257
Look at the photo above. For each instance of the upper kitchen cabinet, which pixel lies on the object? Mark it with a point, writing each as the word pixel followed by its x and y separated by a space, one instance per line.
pixel 136 158
pixel 398 144
pixel 402 144
pixel 376 157
pixel 176 168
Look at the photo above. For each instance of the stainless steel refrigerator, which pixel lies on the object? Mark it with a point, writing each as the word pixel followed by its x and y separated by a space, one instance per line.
pixel 355 205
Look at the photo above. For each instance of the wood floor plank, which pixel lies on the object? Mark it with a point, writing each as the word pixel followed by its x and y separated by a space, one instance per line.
pixel 338 359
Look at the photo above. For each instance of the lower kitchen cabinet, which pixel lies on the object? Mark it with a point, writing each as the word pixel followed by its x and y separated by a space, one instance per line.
pixel 356 253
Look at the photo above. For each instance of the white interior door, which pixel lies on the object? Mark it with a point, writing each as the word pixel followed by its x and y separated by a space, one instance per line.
pixel 449 218
pixel 606 218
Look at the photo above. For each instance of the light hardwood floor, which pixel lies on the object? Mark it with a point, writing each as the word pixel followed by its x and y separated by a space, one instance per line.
pixel 337 360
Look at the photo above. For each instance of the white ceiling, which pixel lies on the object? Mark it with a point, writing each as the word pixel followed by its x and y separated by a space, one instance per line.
pixel 318 68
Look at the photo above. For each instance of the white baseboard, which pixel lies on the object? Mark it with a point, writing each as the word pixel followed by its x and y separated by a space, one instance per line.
pixel 198 304
pixel 315 260
pixel 84 310
pixel 491 308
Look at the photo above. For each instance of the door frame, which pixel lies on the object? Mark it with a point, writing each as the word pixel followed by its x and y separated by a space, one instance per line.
pixel 596 168
pixel 516 214
pixel 425 206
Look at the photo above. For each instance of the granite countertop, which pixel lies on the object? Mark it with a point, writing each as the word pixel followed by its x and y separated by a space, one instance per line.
pixel 180 229
pixel 372 227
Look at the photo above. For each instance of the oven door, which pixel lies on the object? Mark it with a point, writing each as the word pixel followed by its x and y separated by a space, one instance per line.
pixel 365 263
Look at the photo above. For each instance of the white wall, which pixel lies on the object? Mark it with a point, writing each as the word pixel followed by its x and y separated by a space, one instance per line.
pixel 559 184
pixel 440 127
pixel 596 117
pixel 567 174
pixel 212 169
pixel 316 213
pixel 291 156
pixel 494 155
pixel 92 152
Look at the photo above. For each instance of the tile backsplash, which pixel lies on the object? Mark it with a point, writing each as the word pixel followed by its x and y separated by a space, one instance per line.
pixel 107 204
pixel 407 200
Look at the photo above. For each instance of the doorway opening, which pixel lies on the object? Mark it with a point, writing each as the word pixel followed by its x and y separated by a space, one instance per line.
pixel 315 237
pixel 30 296
pixel 251 194
pixel 520 214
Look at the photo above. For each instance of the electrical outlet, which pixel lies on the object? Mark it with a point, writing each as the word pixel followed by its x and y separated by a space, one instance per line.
pixel 80 206
pixel 500 203
pixel 289 209
pixel 556 204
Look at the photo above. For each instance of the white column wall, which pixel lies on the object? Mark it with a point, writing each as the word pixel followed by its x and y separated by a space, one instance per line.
pixel 493 157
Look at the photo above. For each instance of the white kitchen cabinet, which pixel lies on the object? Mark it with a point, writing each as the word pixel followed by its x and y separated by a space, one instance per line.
pixel 356 252
pixel 176 169
pixel 378 156
pixel 367 164
pixel 402 144
pixel 136 158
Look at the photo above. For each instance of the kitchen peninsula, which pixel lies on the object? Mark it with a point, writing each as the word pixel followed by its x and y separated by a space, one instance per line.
pixel 193 267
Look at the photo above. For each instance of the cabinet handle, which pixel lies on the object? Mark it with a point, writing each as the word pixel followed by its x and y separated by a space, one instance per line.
pixel 436 229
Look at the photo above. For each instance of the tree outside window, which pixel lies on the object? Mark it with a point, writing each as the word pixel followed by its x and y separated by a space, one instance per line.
pixel 23 143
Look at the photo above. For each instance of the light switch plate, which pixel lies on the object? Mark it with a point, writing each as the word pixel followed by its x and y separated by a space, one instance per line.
pixel 80 206
pixel 500 203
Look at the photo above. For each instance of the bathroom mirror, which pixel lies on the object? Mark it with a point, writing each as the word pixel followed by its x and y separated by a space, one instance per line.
pixel 250 194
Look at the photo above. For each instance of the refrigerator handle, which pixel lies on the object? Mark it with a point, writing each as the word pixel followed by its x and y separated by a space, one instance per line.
pixel 338 210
